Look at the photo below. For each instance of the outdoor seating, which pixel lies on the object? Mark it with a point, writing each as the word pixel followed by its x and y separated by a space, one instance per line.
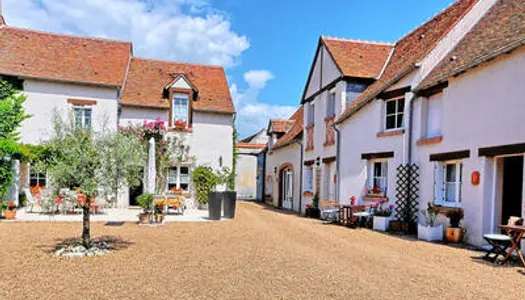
pixel 329 210
pixel 364 216
pixel 32 201
pixel 354 215
pixel 500 242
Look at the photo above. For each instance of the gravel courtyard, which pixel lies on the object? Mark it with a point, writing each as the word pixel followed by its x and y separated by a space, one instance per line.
pixel 261 254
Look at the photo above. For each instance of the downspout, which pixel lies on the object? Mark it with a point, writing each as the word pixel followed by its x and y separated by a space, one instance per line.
pixel 337 163
pixel 410 126
pixel 300 175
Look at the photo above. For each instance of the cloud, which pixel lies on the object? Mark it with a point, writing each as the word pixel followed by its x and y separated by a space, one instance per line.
pixel 184 30
pixel 252 115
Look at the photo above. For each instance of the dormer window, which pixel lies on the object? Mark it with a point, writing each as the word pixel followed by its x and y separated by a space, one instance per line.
pixel 180 112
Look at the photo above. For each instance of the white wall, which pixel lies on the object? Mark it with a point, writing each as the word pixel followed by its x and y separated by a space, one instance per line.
pixel 274 160
pixel 481 108
pixel 246 176
pixel 358 137
pixel 328 73
pixel 137 115
pixel 43 97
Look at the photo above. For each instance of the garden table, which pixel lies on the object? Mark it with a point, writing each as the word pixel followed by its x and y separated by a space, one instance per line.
pixel 515 233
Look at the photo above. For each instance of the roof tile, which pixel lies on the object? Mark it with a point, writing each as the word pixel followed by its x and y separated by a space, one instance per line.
pixel 293 131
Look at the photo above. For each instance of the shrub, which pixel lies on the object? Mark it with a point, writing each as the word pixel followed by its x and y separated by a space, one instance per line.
pixel 454 216
pixel 145 201
pixel 430 214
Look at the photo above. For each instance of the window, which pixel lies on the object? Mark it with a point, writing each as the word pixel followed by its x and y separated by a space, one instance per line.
pixel 82 116
pixel 378 172
pixel 180 108
pixel 37 178
pixel 309 179
pixel 327 183
pixel 179 177
pixel 448 183
pixel 330 104
pixel 311 115
pixel 394 113
pixel 434 116
pixel 353 90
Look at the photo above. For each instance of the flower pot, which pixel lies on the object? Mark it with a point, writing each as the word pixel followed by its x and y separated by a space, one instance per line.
pixel 159 218
pixel 228 204
pixel 381 223
pixel 429 233
pixel 10 214
pixel 215 205
pixel 145 218
pixel 203 206
pixel 455 234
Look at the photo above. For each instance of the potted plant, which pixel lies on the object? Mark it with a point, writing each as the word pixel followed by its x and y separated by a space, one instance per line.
pixel 10 212
pixel 429 231
pixel 374 191
pixel 382 217
pixel 454 232
pixel 312 210
pixel 145 201
pixel 159 213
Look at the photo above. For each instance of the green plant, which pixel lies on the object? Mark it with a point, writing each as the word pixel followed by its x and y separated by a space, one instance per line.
pixel 315 201
pixel 205 181
pixel 430 214
pixel 454 215
pixel 146 202
pixel 231 176
pixel 384 212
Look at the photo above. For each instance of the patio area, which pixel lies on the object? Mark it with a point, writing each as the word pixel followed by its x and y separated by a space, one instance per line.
pixel 262 254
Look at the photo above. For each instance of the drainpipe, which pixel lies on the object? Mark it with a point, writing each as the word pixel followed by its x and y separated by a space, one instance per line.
pixel 411 97
pixel 337 163
pixel 300 176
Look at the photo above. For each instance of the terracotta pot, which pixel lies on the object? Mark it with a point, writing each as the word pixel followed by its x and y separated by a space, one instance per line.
pixel 455 235
pixel 145 218
pixel 10 214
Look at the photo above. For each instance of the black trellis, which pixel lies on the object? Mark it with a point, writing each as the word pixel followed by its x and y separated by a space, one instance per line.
pixel 407 194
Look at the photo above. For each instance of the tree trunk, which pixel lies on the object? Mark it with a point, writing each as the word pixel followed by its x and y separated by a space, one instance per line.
pixel 86 235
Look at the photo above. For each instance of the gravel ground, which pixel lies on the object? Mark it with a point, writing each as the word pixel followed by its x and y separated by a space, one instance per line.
pixel 262 254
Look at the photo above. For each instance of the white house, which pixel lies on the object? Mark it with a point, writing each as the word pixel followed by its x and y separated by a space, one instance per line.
pixel 284 162
pixel 104 86
pixel 249 180
pixel 340 72
pixel 468 124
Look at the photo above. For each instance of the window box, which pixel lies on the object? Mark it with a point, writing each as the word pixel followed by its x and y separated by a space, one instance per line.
pixel 374 198
pixel 430 141
pixel 390 133
pixel 428 233
pixel 308 194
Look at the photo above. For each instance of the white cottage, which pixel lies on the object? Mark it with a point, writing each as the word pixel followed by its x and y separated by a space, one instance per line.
pixel 284 162
pixel 104 85
pixel 340 72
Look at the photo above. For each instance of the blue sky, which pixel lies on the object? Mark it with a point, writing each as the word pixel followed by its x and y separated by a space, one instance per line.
pixel 266 46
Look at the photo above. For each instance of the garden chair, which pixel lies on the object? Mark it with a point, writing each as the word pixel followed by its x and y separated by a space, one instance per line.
pixel 500 242
pixel 32 201
pixel 329 210
pixel 364 216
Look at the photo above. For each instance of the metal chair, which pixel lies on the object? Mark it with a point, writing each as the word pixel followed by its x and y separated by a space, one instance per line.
pixel 500 242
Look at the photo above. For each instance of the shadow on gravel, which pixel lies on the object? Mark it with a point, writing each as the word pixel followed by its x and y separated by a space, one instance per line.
pixel 115 243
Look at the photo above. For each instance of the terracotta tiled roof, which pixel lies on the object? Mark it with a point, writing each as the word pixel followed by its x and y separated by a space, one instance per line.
pixel 502 29
pixel 147 79
pixel 410 50
pixel 358 58
pixel 280 125
pixel 295 130
pixel 35 54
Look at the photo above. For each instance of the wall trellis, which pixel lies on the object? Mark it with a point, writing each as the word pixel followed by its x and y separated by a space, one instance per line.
pixel 407 194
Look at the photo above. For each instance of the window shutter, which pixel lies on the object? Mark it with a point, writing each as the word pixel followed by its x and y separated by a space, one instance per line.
pixel 439 184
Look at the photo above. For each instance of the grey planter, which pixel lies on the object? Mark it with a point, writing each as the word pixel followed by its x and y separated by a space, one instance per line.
pixel 214 205
pixel 229 200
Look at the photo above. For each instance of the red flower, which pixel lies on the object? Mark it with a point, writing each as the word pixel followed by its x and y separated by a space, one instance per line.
pixel 11 204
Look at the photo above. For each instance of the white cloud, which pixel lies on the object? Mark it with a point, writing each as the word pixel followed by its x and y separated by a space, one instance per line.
pixel 184 30
pixel 253 115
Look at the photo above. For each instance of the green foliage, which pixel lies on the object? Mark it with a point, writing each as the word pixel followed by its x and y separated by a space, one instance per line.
pixel 145 201
pixel 231 178
pixel 430 214
pixel 205 180
pixel 11 117
pixel 454 215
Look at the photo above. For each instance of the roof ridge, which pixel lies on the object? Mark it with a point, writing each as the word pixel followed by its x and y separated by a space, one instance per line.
pixel 379 43
pixel 68 35
pixel 177 62
pixel 434 17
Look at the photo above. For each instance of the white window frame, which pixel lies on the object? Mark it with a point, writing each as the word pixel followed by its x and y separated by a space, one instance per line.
pixel 173 109
pixel 396 114
pixel 83 108
pixel 384 172
pixel 37 176
pixel 458 183
pixel 330 104
pixel 178 177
